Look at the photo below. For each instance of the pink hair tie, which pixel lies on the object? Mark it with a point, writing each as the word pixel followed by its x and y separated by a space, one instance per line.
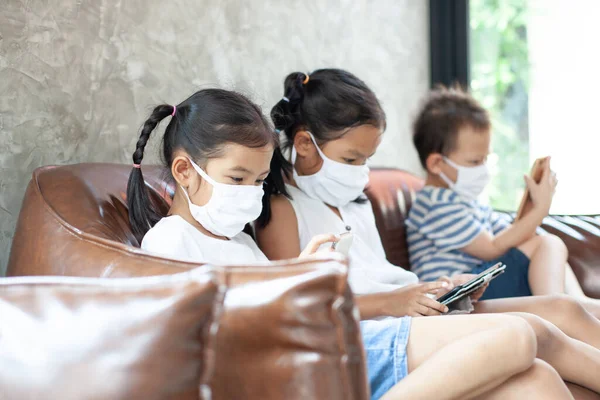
pixel 174 111
pixel 138 166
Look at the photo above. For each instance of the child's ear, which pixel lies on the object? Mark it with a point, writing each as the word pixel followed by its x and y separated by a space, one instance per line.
pixel 182 170
pixel 434 163
pixel 304 144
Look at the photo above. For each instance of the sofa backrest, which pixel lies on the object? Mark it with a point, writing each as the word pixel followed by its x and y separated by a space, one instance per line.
pixel 391 192
pixel 76 216
pixel 74 221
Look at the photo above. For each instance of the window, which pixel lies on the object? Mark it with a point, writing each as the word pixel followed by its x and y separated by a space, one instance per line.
pixel 533 64
pixel 499 67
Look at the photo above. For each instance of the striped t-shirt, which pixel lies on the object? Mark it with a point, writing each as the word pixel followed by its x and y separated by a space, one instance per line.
pixel 439 224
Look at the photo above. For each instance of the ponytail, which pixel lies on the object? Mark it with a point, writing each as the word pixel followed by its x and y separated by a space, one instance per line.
pixel 286 114
pixel 143 214
pixel 281 170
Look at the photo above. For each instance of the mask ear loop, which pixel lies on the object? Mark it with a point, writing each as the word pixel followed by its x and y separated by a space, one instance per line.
pixel 312 138
pixel 203 174
pixel 323 156
pixel 443 176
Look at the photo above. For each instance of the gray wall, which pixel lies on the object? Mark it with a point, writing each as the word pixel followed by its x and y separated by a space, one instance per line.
pixel 78 77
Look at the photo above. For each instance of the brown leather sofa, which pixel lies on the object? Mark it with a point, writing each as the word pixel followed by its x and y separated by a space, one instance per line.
pixel 287 330
pixel 77 215
pixel 74 222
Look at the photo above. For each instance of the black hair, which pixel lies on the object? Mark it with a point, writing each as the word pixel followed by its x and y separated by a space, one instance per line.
pixel 201 126
pixel 326 102
pixel 444 112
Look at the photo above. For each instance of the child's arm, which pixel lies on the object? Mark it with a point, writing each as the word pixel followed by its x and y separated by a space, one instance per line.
pixel 279 240
pixel 411 300
pixel 488 247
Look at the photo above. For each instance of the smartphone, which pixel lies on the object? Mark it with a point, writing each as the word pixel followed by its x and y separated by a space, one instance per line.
pixel 473 285
pixel 536 174
pixel 343 245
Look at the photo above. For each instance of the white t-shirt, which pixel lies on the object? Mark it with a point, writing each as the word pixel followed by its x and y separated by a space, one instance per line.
pixel 370 271
pixel 173 237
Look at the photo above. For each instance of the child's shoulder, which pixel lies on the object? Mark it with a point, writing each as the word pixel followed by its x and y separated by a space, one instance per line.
pixel 169 231
pixel 432 203
pixel 432 195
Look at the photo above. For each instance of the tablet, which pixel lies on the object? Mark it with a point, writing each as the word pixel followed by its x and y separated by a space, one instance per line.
pixel 536 174
pixel 473 285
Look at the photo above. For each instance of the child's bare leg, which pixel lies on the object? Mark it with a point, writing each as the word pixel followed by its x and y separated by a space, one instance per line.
pixel 573 288
pixel 540 382
pixel 580 393
pixel 488 349
pixel 548 257
pixel 567 313
pixel 575 361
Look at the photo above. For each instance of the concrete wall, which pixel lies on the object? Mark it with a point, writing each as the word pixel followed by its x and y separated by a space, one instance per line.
pixel 78 77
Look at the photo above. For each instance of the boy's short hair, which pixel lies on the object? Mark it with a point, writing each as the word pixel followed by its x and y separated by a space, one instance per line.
pixel 443 113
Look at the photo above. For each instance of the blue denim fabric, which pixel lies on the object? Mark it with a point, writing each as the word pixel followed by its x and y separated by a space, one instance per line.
pixel 385 345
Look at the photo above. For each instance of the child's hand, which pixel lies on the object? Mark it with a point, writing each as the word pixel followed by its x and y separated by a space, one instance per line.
pixel 543 192
pixel 448 288
pixel 316 242
pixel 464 278
pixel 412 300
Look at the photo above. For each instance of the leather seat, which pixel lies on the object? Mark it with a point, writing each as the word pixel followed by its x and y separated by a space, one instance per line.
pixel 294 322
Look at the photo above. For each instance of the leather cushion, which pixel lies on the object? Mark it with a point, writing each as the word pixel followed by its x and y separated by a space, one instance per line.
pixel 83 338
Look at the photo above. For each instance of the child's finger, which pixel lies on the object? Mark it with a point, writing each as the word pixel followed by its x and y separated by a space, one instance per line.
pixel 529 182
pixel 432 287
pixel 434 307
pixel 319 240
pixel 448 281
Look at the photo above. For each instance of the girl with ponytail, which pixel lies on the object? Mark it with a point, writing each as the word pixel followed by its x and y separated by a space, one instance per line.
pixel 332 123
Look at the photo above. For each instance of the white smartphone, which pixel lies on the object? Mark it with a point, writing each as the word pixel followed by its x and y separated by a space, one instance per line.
pixel 343 245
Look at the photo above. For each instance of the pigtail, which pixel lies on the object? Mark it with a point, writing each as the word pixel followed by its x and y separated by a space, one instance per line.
pixel 142 212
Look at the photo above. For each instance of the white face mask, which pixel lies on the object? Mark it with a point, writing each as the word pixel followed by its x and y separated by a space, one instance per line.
pixel 230 207
pixel 335 183
pixel 470 181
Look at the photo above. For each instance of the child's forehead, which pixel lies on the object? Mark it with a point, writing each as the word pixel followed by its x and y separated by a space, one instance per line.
pixel 470 140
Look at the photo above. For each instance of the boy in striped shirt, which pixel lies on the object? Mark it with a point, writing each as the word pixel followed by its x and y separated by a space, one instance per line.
pixel 449 232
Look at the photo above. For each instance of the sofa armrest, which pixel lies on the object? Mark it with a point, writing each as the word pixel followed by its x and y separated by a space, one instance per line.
pixel 581 235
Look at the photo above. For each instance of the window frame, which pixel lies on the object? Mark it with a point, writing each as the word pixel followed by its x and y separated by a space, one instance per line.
pixel 449 43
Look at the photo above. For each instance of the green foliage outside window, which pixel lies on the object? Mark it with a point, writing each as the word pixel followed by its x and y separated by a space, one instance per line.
pixel 499 80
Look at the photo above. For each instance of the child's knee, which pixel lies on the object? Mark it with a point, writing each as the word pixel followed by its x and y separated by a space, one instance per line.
pixel 565 307
pixel 542 372
pixel 547 335
pixel 555 243
pixel 531 246
pixel 522 340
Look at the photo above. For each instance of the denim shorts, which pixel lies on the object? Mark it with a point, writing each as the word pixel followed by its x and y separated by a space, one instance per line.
pixel 385 345
pixel 514 282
